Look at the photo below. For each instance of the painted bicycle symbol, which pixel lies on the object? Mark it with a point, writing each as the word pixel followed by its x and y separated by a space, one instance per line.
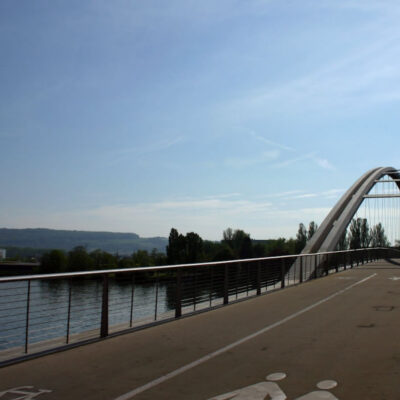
pixel 22 393
pixel 269 389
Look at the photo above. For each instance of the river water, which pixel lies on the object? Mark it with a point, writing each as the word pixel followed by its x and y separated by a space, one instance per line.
pixel 53 303
pixel 65 311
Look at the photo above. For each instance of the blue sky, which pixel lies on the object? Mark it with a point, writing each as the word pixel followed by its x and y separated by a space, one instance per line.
pixel 139 116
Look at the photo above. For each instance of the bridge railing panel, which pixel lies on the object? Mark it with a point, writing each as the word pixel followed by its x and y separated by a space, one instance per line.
pixel 39 313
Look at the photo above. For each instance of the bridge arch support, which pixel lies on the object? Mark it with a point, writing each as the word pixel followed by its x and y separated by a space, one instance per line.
pixel 327 236
pixel 334 225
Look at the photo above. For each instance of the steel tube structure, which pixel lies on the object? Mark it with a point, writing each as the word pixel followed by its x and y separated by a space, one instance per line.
pixel 332 228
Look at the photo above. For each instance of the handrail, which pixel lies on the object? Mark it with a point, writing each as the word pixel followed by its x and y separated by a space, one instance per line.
pixel 173 266
pixel 45 312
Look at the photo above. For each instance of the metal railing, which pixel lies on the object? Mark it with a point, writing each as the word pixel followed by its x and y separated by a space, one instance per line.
pixel 43 313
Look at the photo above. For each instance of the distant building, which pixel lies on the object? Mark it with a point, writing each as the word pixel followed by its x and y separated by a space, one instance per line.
pixel 2 254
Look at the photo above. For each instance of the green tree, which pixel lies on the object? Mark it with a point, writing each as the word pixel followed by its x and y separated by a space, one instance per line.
pixel 184 249
pixel 54 261
pixel 365 233
pixel 176 247
pixel 194 248
pixel 227 235
pixel 355 234
pixel 223 253
pixel 79 259
pixel 239 241
pixel 141 258
pixel 259 250
pixel 278 247
pixel 359 235
pixel 290 245
pixel 312 228
pixel 343 243
pixel 242 245
pixel 158 258
pixel 103 260
pixel 378 237
pixel 125 262
pixel 301 238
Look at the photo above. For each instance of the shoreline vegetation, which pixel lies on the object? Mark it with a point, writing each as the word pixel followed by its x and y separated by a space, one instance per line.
pixel 190 248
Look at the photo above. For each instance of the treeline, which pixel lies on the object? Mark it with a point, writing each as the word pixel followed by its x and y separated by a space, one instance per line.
pixel 235 244
pixel 181 249
pixel 24 254
pixel 359 235
pixel 191 248
pixel 79 259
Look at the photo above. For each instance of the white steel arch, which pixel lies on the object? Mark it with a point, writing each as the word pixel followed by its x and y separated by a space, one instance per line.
pixel 334 225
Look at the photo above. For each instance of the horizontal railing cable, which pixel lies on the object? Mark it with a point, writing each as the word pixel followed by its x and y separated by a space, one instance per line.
pixel 46 311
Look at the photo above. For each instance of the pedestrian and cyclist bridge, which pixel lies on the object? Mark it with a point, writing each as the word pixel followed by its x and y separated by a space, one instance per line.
pixel 103 334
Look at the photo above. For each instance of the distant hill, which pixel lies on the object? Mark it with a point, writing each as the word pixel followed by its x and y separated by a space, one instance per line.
pixel 39 238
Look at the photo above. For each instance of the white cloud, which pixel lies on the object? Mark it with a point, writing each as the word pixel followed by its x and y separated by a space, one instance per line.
pixel 294 160
pixel 270 142
pixel 305 196
pixel 282 194
pixel 323 163
pixel 332 193
pixel 242 162
pixel 144 150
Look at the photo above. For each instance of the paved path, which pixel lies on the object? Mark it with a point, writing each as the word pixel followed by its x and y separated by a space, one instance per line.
pixel 342 329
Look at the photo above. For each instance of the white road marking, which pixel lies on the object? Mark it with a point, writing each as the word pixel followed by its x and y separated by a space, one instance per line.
pixel 262 390
pixel 26 394
pixel 224 349
pixel 318 395
pixel 277 376
pixel 394 278
pixel 325 385
pixel 258 391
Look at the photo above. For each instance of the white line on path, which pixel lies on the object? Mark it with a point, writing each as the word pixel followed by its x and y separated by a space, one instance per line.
pixel 222 350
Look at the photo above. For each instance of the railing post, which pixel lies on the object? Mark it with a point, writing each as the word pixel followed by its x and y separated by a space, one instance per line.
pixel 238 269
pixel 156 302
pixel 301 269
pixel 132 297
pixel 247 279
pixel 104 308
pixel 283 273
pixel 28 303
pixel 258 278
pixel 178 301
pixel 226 284
pixel 194 289
pixel 69 310
pixel 211 284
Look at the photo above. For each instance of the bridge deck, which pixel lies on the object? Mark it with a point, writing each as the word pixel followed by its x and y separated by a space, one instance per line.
pixel 343 327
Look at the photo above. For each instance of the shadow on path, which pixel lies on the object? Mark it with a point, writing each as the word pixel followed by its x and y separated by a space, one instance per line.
pixel 390 261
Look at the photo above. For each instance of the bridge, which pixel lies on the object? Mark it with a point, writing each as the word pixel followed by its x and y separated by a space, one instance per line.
pixel 319 325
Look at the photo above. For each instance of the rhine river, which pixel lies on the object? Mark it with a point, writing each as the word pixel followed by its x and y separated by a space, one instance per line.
pixel 58 309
